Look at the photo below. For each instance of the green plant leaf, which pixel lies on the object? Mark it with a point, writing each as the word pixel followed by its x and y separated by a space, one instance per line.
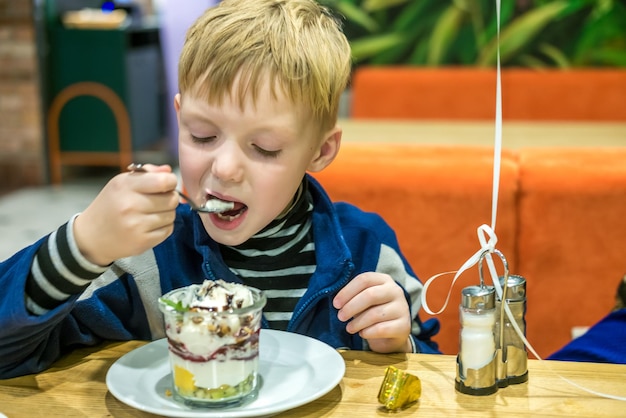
pixel 464 48
pixel 368 47
pixel 556 55
pixel 520 32
pixel 608 57
pixel 602 29
pixel 532 62
pixel 419 53
pixel 374 5
pixel 393 55
pixel 507 12
pixel 535 33
pixel 177 306
pixel 415 16
pixel 356 15
pixel 473 9
pixel 445 31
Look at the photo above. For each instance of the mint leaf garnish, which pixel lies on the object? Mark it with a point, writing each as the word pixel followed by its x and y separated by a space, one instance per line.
pixel 177 306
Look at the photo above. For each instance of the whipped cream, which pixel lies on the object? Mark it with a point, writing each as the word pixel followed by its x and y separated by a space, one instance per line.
pixel 220 296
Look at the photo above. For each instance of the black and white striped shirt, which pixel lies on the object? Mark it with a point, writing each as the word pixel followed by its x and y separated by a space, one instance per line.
pixel 58 271
pixel 279 260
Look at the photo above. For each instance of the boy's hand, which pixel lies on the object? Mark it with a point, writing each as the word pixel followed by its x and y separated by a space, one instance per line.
pixel 132 213
pixel 379 312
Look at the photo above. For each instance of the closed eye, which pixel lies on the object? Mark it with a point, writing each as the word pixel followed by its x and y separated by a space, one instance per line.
pixel 267 153
pixel 203 140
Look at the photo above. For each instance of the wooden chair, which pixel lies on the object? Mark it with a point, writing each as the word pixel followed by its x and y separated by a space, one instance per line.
pixel 58 157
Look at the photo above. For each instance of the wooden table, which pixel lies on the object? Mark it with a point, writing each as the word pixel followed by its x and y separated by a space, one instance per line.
pixel 514 134
pixel 75 386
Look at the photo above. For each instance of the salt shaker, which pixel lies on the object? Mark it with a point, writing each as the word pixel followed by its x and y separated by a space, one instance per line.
pixel 476 368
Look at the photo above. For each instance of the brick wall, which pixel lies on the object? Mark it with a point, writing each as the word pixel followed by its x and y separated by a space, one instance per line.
pixel 22 161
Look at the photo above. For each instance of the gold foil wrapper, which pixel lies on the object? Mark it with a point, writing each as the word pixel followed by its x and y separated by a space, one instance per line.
pixel 399 389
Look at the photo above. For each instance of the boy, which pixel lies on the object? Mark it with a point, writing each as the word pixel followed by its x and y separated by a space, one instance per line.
pixel 259 85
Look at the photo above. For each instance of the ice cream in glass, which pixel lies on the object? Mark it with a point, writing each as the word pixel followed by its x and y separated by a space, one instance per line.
pixel 213 338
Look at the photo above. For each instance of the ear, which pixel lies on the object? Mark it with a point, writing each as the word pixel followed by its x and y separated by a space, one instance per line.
pixel 327 151
pixel 177 105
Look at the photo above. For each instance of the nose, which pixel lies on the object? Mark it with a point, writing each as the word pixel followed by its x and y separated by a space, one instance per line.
pixel 228 162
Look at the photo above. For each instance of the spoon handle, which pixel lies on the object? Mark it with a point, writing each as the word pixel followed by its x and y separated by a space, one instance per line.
pixel 190 202
pixel 211 206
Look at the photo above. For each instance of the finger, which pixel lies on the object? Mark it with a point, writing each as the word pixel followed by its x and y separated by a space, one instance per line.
pixel 378 314
pixel 157 202
pixel 143 223
pixel 359 303
pixel 138 168
pixel 146 232
pixel 154 220
pixel 388 329
pixel 355 287
pixel 149 240
pixel 377 290
pixel 158 180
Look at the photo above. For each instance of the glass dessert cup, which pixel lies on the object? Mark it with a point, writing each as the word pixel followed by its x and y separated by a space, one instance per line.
pixel 214 354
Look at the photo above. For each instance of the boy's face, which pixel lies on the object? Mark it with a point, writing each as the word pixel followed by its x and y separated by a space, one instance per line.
pixel 255 156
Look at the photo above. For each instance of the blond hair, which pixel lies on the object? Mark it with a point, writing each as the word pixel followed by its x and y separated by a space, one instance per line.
pixel 298 44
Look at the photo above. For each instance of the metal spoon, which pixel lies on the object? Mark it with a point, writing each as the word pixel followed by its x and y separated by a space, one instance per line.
pixel 211 206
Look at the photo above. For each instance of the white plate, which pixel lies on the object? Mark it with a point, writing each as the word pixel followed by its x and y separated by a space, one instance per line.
pixel 294 369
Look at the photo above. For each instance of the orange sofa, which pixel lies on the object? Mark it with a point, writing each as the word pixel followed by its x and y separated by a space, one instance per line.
pixel 469 93
pixel 561 223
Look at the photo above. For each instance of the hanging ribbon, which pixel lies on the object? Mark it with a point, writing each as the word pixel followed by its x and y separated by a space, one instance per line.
pixel 486 245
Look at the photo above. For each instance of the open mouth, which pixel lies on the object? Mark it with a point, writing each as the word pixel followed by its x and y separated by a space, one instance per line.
pixel 238 209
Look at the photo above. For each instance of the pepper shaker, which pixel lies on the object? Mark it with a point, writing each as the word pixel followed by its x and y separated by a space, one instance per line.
pixel 512 365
